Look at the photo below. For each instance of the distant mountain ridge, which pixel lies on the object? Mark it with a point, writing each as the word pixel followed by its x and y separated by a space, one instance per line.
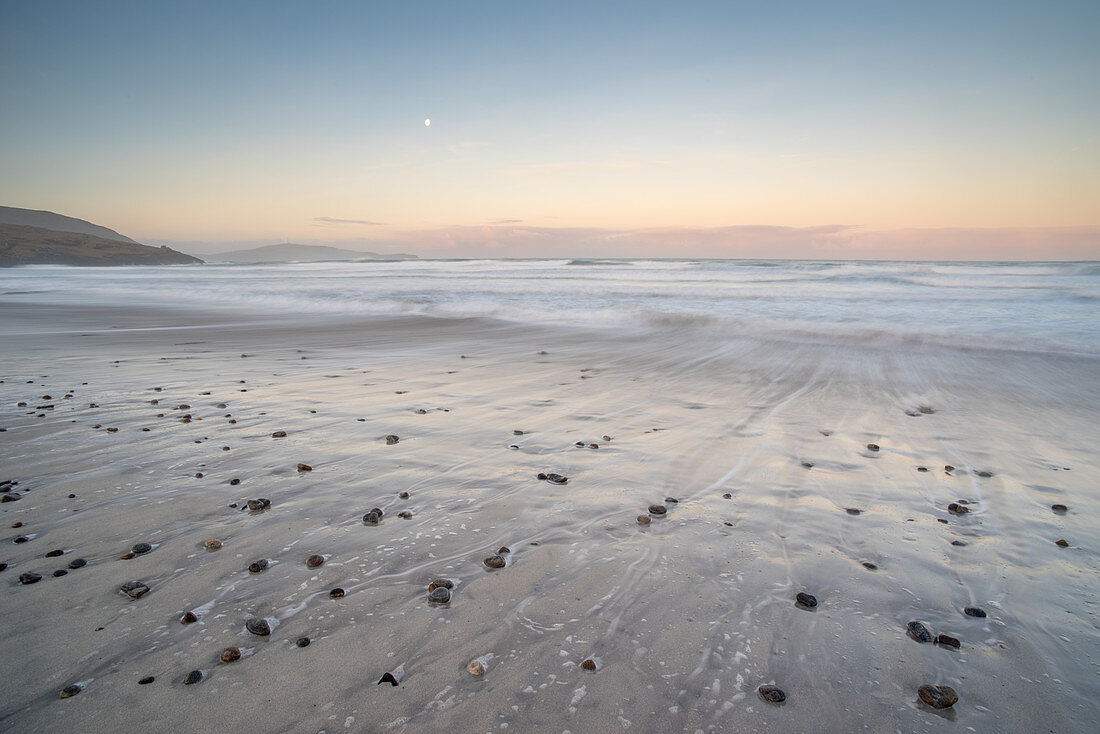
pixel 57 222
pixel 292 252
pixel 21 245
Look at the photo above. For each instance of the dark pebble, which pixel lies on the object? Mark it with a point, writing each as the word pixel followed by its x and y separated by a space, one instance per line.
pixel 21 539
pixel 3 566
pixel 540 475
pixel 29 578
pixel 948 468
pixel 657 509
pixel 388 678
pixel 258 626
pixel 957 509
pixel 17 524
pixel 727 496
pixel 672 500
pixel 985 474
pixel 11 497
pixel 70 691
pixel 949 641
pixel 872 447
pixel 305 467
pixel 1062 543
pixel 806 600
pixel 441 584
pixel 919 632
pixel 1059 508
pixel 392 439
pixel 644 519
pixel 503 549
pixel 926 410
pixel 940 519
pixel 404 514
pixel 257 566
pixel 336 593
pixel 234 481
pixel 938 697
pixel 556 478
pixel 853 510
pixel 55 553
pixel 279 434
pixel 302 642
pixel 73 496
pixel 257 505
pixel 315 560
pixel 870 566
pixel 140 548
pixel 958 542
pixel 588 664
pixel 403 495
pixel 772 694
pixel 134 589
pixel 439 595
pixel 195 676
pixel 188 618
pixel 230 654
pixel 60 572
pixel 146 680
pixel 807 465
pixel 974 612
pixel 371 518
pixel 494 562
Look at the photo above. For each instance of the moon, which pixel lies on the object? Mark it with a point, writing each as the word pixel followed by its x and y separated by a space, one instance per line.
pixel 427 122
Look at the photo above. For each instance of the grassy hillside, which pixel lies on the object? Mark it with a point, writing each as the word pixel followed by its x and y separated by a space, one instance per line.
pixel 36 246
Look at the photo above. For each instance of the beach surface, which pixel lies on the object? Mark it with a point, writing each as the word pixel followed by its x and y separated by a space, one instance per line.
pixel 759 449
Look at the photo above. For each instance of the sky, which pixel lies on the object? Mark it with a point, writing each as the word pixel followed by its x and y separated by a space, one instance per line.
pixel 722 129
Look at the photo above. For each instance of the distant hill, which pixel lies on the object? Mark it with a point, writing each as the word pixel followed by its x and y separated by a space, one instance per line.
pixel 56 222
pixel 21 245
pixel 301 253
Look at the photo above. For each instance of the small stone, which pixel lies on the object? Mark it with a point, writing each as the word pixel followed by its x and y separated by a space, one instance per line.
pixel 1062 543
pixel 315 560
pixel 258 626
pixel 644 519
pixel 985 474
pixel 17 524
pixel 391 439
pixel 258 505
pixel 21 539
pixel 336 593
pixel 11 497
pixel 919 632
pixel 872 447
pixel 29 578
pixel 60 572
pixel 195 676
pixel 727 496
pixel 234 481
pixel 188 618
pixel 949 641
pixel 926 410
pixel 403 495
pixel 517 432
pixel 593 445
pixel 806 600
pixel 853 510
pixel 588 664
pixel 657 509
pixel 476 668
pixel 938 697
pixel 1059 508
pixel 958 542
pixel 140 548
pixel 495 562
pixel 305 467
pixel 404 514
pixel 372 518
pixel 230 654
pixel 556 478
pixel 870 566
pixel 146 680
pixel 3 567
pixel 974 612
pixel 212 545
pixel 540 475
pixel 606 438
pixel 279 434
pixel 772 694
pixel 439 595
pixel 55 553
pixel 302 642
pixel 70 691
pixel 388 678
pixel 957 509
pixel 807 465
pixel 503 549
pixel 948 468
pixel 199 475
pixel 441 584
pixel 672 500
pixel 940 519
pixel 258 566
pixel 134 589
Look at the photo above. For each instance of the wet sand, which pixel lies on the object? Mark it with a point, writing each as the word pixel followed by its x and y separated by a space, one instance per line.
pixel 685 616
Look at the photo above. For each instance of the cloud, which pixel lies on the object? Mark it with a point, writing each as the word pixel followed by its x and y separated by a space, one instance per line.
pixel 334 220
pixel 506 221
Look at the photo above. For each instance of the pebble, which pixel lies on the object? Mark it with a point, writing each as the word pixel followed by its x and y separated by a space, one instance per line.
pixel 234 481
pixel 392 439
pixel 588 664
pixel 870 566
pixel 70 691
pixel 372 518
pixel 305 467
pixel 302 642
pixel 230 654
pixel 258 626
pixel 872 447
pixel 938 697
pixel 672 500
pixel 494 562
pixel 257 566
pixel 29 578
pixel 19 524
pixel 403 495
pixel 476 668
pixel 806 600
pixel 922 468
pixel 727 496
pixel 1062 543
pixel 21 539
pixel 188 618
pixel 949 641
pixel 807 464
pixel 439 595
pixel 195 676
pixel 55 553
pixel 3 566
pixel 919 632
pixel 657 509
pixel 503 549
pixel 212 545
pixel 948 468
pixel 772 694
pixel 134 589
pixel 387 678
pixel 985 474
pixel 1059 508
pixel 279 434
pixel 644 519
pixel 146 680
pixel 958 509
pixel 441 584
pixel 140 548
pixel 257 505
pixel 853 510
pixel 60 572
pixel 336 593
pixel 315 560
pixel 974 612
pixel 958 542
pixel 404 514
pixel 554 478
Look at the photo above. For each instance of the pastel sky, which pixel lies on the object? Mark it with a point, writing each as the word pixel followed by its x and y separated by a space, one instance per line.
pixel 864 129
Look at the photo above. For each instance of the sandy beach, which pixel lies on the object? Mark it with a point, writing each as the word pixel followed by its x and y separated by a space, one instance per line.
pixel 759 451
